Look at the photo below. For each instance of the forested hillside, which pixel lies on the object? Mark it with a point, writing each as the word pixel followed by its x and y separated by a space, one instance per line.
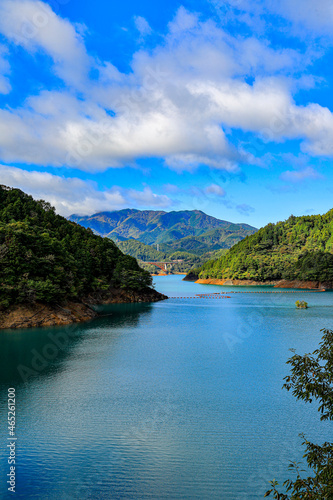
pixel 182 261
pixel 151 227
pixel 212 240
pixel 298 248
pixel 46 258
pixel 195 236
pixel 141 251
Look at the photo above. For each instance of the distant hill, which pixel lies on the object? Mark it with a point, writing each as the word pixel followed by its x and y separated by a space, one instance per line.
pixel 148 253
pixel 214 239
pixel 151 227
pixel 300 248
pixel 141 251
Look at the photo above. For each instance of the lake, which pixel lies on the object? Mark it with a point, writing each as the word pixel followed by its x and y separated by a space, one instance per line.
pixel 180 399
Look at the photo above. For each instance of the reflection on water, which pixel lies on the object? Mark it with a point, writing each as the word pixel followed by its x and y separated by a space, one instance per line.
pixel 178 399
pixel 30 352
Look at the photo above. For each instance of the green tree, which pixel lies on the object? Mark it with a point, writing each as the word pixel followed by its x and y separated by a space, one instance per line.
pixel 298 248
pixel 45 258
pixel 311 379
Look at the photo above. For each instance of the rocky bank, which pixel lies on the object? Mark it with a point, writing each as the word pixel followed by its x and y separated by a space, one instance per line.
pixel 36 315
pixel 309 285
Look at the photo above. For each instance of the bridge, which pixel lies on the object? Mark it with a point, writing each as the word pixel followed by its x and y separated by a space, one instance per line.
pixel 164 265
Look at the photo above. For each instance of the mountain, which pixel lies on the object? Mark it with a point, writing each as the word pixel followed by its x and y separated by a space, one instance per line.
pixel 47 259
pixel 300 248
pixel 151 227
pixel 182 261
pixel 141 251
pixel 214 239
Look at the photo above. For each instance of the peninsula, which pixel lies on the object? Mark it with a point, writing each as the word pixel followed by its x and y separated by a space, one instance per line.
pixel 296 253
pixel 53 271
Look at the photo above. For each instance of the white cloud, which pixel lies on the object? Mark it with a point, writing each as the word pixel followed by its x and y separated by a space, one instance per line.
pixel 177 103
pixel 34 26
pixel 142 26
pixel 301 15
pixel 73 195
pixel 215 190
pixel 314 14
pixel 5 86
pixel 184 21
pixel 190 162
pixel 171 188
pixel 296 176
pixel 147 198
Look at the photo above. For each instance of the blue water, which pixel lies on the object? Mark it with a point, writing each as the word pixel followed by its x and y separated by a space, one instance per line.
pixel 179 399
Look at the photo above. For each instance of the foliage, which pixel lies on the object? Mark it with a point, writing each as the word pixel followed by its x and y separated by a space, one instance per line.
pixel 298 248
pixel 151 227
pixel 212 240
pixel 301 304
pixel 312 379
pixel 190 236
pixel 148 253
pixel 44 257
pixel 141 251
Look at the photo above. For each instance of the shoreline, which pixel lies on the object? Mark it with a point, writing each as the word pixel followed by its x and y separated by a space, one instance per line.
pixel 170 274
pixel 39 314
pixel 308 285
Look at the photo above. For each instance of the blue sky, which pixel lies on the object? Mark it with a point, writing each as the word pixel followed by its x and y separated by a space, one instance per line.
pixel 223 106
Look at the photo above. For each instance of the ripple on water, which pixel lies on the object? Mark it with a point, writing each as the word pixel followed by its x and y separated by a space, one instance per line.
pixel 178 399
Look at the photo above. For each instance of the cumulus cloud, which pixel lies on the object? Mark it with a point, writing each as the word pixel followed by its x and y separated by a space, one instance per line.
pixel 73 195
pixel 177 102
pixel 148 198
pixel 34 26
pixel 296 176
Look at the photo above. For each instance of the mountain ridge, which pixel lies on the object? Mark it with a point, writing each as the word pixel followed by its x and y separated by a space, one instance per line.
pixel 157 226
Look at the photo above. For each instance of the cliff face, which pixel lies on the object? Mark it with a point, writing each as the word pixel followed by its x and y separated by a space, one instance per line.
pixel 37 315
pixel 309 285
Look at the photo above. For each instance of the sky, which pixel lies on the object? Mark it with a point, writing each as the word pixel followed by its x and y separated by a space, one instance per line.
pixel 224 106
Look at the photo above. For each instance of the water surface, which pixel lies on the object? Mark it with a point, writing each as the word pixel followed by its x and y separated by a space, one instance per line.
pixel 179 399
